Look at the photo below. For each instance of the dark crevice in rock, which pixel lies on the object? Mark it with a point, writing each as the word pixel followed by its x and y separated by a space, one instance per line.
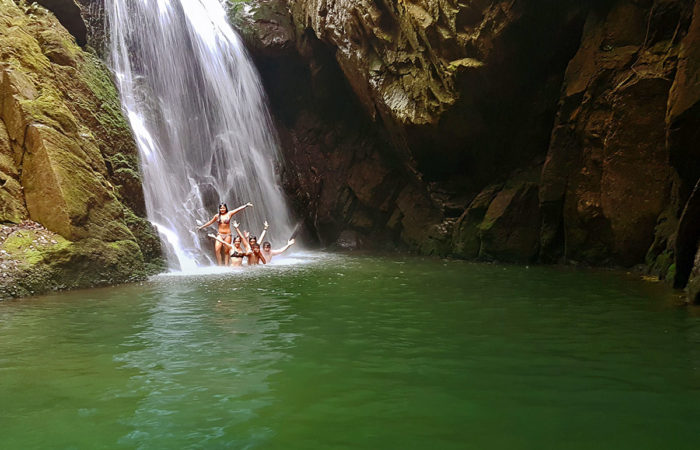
pixel 69 14
pixel 687 239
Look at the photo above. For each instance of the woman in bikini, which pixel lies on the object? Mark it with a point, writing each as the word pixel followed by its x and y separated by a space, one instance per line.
pixel 254 254
pixel 223 218
pixel 237 250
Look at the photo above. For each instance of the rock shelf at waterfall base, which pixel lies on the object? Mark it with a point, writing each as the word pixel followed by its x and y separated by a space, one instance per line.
pixel 34 260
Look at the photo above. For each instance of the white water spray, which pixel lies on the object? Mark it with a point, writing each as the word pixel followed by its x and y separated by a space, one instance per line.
pixel 198 112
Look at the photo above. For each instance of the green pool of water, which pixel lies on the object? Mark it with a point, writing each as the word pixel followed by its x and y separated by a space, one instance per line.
pixel 354 352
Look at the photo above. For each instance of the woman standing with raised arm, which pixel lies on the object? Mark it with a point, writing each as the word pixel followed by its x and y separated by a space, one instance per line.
pixel 224 230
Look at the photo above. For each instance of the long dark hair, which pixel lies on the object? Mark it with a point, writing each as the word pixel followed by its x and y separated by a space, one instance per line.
pixel 219 209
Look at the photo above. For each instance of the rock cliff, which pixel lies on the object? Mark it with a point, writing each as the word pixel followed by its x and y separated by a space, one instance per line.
pixel 71 203
pixel 515 131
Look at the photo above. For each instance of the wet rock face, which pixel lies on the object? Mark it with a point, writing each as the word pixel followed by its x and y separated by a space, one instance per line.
pixel 694 281
pixel 684 109
pixel 67 158
pixel 687 246
pixel 607 177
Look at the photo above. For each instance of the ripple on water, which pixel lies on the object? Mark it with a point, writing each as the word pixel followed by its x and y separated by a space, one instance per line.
pixel 354 351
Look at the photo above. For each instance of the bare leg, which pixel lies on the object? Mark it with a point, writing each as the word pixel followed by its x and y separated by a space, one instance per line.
pixel 217 252
pixel 227 258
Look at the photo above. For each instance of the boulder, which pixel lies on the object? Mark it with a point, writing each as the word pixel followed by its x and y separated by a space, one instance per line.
pixel 687 239
pixel 693 287
pixel 510 228
pixel 466 238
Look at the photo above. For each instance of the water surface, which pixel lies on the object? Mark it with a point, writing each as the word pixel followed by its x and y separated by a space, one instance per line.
pixel 354 352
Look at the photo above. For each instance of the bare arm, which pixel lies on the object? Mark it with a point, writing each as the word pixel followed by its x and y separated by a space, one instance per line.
pixel 283 249
pixel 264 231
pixel 213 219
pixel 217 238
pixel 240 208
pixel 244 239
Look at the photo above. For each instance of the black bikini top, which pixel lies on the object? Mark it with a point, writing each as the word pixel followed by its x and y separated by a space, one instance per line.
pixel 236 254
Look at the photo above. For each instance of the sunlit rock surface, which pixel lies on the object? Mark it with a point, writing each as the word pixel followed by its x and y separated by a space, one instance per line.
pixel 67 163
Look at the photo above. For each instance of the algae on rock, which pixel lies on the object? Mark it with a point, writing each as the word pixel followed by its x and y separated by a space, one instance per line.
pixel 67 160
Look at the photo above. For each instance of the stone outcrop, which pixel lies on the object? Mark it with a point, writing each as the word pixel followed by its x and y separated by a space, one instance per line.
pixel 466 90
pixel 67 162
pixel 623 160
pixel 462 98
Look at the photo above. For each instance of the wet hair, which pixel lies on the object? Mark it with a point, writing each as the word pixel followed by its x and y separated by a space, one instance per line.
pixel 237 238
pixel 253 237
pixel 267 244
pixel 224 205
pixel 256 246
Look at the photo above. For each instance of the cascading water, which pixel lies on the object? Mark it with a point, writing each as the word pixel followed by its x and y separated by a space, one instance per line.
pixel 198 112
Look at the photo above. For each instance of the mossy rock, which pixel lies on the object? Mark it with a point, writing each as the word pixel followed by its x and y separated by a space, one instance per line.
pixel 63 125
pixel 68 265
pixel 26 246
pixel 511 226
pixel 146 236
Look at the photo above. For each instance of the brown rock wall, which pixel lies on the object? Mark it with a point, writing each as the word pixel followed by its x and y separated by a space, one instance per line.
pixel 433 79
pixel 607 177
pixel 462 97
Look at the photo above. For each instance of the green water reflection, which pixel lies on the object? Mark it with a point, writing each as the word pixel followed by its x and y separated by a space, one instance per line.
pixel 354 352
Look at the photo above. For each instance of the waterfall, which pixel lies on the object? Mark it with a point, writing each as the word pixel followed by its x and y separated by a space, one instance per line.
pixel 197 109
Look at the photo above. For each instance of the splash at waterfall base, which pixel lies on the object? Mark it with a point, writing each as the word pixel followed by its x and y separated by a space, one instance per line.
pixel 199 117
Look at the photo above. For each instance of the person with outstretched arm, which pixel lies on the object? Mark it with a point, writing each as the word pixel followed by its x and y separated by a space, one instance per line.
pixel 239 249
pixel 224 230
pixel 268 253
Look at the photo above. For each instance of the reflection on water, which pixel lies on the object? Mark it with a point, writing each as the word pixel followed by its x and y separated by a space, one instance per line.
pixel 324 351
